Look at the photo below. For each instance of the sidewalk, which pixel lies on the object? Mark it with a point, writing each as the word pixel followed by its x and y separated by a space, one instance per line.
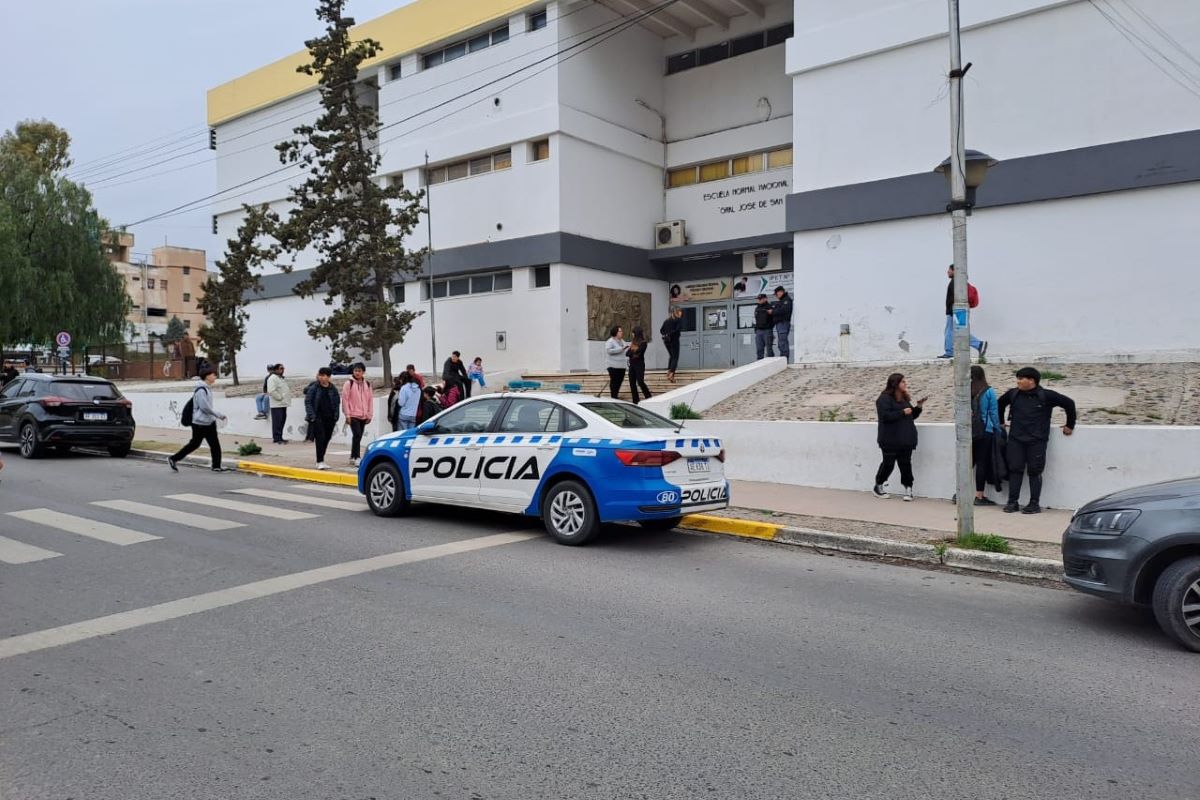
pixel 297 453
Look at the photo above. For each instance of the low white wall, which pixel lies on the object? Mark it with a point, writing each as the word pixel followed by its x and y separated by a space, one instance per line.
pixel 705 394
pixel 1094 461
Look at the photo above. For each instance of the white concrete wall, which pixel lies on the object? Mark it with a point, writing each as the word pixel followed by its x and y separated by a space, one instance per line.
pixel 705 394
pixel 843 455
pixel 608 195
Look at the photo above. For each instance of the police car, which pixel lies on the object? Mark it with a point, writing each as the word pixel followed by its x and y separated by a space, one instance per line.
pixel 575 461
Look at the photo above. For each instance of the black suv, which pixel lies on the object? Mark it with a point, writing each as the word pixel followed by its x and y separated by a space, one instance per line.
pixel 1141 547
pixel 39 411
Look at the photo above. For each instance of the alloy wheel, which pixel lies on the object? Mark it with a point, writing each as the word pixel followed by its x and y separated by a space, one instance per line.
pixel 382 489
pixel 28 440
pixel 567 512
pixel 1191 608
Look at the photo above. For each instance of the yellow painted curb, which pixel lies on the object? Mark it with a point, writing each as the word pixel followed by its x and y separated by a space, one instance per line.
pixel 732 527
pixel 298 473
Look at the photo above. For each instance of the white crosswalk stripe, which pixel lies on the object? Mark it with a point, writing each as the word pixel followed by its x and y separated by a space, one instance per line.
pixel 345 491
pixel 322 502
pixel 83 526
pixel 200 521
pixel 229 504
pixel 14 552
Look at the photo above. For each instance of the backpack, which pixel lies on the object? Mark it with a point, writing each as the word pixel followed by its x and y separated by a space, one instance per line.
pixel 185 417
pixel 972 296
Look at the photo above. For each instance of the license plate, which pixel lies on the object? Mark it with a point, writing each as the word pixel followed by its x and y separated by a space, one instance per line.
pixel 697 465
pixel 94 416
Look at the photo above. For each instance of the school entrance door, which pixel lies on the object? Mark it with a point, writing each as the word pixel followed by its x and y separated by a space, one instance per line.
pixel 717 335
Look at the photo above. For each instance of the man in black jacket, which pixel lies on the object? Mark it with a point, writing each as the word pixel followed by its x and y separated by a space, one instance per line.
pixel 781 313
pixel 671 330
pixel 322 406
pixel 454 373
pixel 1025 411
pixel 764 328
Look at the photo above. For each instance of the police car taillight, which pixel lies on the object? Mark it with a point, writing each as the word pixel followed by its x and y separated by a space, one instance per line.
pixel 721 455
pixel 647 458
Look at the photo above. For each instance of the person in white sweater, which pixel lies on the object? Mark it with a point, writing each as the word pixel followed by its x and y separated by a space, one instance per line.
pixel 615 350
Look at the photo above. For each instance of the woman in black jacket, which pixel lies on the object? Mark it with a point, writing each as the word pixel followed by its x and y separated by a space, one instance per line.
pixel 897 433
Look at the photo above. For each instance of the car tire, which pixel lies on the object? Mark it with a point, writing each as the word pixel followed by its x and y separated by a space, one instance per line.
pixel 1177 602
pixel 661 525
pixel 119 450
pixel 569 513
pixel 385 490
pixel 31 446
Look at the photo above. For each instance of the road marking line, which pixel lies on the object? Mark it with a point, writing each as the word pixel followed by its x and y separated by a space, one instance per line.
pixel 174 609
pixel 170 515
pixel 14 552
pixel 228 504
pixel 326 489
pixel 83 526
pixel 322 502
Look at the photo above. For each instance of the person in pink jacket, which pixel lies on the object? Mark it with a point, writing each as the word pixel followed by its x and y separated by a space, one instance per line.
pixel 358 404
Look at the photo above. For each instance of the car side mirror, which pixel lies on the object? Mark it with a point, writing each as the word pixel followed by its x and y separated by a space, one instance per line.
pixel 427 428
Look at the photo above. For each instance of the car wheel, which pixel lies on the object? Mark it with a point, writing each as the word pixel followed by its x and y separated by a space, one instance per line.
pixel 119 450
pixel 385 490
pixel 569 513
pixel 1177 602
pixel 660 524
pixel 30 446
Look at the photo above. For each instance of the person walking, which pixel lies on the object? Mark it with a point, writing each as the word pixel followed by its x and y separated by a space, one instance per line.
pixel 408 403
pixel 280 393
pixel 358 404
pixel 671 331
pixel 985 425
pixel 475 375
pixel 637 366
pixel 454 373
pixel 897 437
pixel 781 315
pixel 972 301
pixel 615 351
pixel 321 409
pixel 764 329
pixel 1028 408
pixel 204 424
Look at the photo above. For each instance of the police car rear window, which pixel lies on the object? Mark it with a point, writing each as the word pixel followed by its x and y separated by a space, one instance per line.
pixel 626 416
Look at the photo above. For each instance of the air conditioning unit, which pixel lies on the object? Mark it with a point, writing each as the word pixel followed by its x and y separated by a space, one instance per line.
pixel 669 234
pixel 754 261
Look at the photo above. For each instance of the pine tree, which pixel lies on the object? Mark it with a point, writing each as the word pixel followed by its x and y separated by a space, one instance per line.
pixel 175 332
pixel 225 294
pixel 355 226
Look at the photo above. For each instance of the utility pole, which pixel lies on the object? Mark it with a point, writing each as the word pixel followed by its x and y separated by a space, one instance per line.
pixel 429 260
pixel 962 324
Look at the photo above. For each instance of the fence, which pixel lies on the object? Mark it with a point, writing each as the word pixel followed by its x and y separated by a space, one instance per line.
pixel 141 360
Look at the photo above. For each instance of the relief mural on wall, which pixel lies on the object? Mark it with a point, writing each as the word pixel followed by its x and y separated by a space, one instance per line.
pixel 608 307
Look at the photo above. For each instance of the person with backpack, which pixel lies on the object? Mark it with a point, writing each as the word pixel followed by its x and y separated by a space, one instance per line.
pixel 201 417
pixel 671 331
pixel 985 426
pixel 280 393
pixel 408 404
pixel 358 404
pixel 1029 407
pixel 972 301
pixel 897 436
pixel 637 365
pixel 321 407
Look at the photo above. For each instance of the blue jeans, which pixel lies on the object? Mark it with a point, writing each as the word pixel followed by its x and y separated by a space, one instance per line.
pixel 975 343
pixel 783 330
pixel 262 404
pixel 406 423
pixel 763 340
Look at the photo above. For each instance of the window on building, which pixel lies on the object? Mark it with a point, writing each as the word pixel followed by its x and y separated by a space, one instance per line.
pixel 779 158
pixel 479 166
pixel 539 150
pixel 541 277
pixel 394 72
pixel 502 281
pixel 137 278
pixel 187 297
pixel 743 165
pixel 683 176
pixel 537 20
pixel 187 323
pixel 462 169
pixel 161 284
pixel 681 61
pixel 398 293
pixel 187 270
pixel 457 50
pixel 711 54
pixel 149 283
pixel 487 283
pixel 746 44
pixel 726 167
pixel 714 171
pixel 156 312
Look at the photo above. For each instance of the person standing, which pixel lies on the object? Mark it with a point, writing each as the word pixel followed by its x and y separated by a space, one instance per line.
pixel 897 437
pixel 764 329
pixel 408 404
pixel 430 406
pixel 358 404
pixel 204 424
pixel 1029 407
pixel 392 406
pixel 972 301
pixel 416 376
pixel 671 331
pixel 454 373
pixel 985 424
pixel 615 351
pixel 781 314
pixel 280 393
pixel 637 366
pixel 321 409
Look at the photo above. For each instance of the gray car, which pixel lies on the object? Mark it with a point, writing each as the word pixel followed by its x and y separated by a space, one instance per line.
pixel 1141 547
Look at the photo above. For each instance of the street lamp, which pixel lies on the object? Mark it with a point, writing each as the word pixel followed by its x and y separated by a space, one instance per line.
pixel 978 163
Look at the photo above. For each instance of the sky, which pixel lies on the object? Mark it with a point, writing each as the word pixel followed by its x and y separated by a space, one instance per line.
pixel 128 79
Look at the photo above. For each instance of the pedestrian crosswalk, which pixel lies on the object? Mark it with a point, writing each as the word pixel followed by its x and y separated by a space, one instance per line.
pixel 124 522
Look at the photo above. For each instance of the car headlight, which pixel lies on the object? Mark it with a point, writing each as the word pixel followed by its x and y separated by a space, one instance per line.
pixel 1109 522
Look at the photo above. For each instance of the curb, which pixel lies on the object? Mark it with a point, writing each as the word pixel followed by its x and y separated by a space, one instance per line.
pixel 974 560
pixel 298 473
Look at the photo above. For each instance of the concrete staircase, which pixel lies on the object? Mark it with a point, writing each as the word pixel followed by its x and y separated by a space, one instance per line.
pixel 596 383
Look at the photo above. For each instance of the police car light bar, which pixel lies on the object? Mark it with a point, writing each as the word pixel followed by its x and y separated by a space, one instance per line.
pixel 647 458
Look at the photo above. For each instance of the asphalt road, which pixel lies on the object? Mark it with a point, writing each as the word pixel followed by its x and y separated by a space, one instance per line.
pixel 643 666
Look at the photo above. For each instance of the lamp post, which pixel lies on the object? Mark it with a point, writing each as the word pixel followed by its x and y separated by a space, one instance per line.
pixel 965 171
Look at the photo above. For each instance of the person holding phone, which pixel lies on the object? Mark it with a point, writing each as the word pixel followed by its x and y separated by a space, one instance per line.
pixel 897 436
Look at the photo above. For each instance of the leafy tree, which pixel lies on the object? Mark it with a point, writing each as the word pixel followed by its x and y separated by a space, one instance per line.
pixel 355 226
pixel 225 294
pixel 175 332
pixel 53 271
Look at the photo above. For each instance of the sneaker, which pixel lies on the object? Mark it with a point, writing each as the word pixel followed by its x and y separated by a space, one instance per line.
pixel 983 348
pixel 1011 508
pixel 946 355
pixel 222 469
pixel 354 462
pixel 1032 508
pixel 260 416
pixel 879 492
pixel 322 465
pixel 984 501
pixel 908 495
pixel 171 464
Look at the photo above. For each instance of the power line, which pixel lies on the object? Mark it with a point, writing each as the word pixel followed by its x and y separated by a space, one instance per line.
pixel 1185 79
pixel 1161 32
pixel 82 166
pixel 116 163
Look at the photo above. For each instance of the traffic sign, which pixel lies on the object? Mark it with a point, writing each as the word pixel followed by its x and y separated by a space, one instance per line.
pixel 63 339
pixel 64 352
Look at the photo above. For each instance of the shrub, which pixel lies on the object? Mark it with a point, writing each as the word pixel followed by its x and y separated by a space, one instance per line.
pixel 988 542
pixel 684 411
pixel 249 449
